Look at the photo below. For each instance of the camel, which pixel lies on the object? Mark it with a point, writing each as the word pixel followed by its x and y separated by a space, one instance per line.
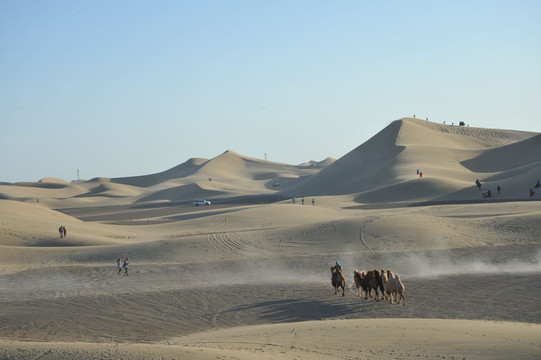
pixel 394 286
pixel 371 281
pixel 381 287
pixel 338 280
pixel 358 277
pixel 367 281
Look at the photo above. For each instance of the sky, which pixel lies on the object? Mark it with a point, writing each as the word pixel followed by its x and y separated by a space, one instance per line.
pixel 125 88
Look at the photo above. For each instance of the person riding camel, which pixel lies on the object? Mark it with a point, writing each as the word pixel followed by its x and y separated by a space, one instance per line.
pixel 336 267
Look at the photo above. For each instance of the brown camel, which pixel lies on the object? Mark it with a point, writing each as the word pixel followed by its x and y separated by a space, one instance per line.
pixel 358 277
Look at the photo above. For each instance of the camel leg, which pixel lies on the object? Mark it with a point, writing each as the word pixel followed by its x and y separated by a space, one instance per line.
pixel 343 290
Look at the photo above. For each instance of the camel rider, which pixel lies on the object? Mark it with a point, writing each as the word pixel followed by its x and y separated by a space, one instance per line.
pixel 336 268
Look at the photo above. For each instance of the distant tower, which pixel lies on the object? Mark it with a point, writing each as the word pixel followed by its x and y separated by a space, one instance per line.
pixel 265 156
pixel 77 174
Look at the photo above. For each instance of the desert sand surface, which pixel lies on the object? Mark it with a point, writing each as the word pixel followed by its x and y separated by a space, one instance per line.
pixel 248 276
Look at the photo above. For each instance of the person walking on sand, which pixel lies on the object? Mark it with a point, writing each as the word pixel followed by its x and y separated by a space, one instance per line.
pixel 119 266
pixel 64 230
pixel 125 266
pixel 313 201
pixel 499 189
pixel 61 231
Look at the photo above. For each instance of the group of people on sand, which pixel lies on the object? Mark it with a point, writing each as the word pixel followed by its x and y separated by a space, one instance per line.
pixel 537 185
pixel 62 230
pixel 124 266
pixel 487 193
pixel 294 200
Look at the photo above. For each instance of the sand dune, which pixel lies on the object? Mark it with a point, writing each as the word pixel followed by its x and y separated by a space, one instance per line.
pixel 439 151
pixel 248 276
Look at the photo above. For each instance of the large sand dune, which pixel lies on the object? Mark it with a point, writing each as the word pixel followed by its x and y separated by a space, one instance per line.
pixel 248 276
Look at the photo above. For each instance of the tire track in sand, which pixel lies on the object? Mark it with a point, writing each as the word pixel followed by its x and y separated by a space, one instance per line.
pixel 232 243
pixel 361 234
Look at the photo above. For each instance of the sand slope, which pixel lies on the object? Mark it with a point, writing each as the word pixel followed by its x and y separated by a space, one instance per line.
pixel 454 156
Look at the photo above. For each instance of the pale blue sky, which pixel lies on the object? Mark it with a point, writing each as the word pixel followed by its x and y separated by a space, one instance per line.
pixel 121 88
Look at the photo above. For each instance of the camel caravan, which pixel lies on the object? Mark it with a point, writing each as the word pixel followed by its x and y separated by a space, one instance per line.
pixel 389 284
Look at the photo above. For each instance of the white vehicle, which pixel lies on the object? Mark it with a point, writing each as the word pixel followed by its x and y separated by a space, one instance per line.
pixel 201 202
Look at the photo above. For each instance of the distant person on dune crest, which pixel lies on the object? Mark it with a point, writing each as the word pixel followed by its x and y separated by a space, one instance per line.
pixel 119 266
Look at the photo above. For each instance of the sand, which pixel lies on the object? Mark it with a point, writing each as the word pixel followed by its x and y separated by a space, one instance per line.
pixel 248 276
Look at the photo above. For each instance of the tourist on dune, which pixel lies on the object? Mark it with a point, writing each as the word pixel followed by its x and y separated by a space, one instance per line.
pixel 62 231
pixel 119 265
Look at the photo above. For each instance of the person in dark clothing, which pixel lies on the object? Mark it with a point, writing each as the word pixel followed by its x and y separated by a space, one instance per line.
pixel 125 266
pixel 336 267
